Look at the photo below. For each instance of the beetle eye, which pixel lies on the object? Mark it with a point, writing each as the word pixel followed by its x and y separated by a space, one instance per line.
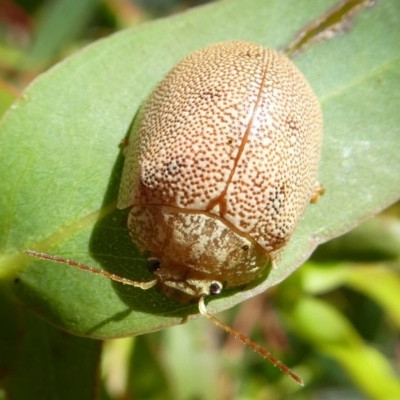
pixel 215 288
pixel 153 264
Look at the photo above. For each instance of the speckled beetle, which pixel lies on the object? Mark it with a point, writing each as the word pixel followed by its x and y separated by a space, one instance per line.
pixel 220 166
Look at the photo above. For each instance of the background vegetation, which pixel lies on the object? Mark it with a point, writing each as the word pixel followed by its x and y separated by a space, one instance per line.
pixel 335 321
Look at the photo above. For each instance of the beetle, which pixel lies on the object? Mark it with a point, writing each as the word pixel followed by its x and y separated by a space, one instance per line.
pixel 220 166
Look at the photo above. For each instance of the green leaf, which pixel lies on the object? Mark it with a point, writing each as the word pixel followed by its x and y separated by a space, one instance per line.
pixel 188 343
pixel 380 284
pixel 378 237
pixel 331 333
pixel 60 22
pixel 38 361
pixel 147 377
pixel 62 160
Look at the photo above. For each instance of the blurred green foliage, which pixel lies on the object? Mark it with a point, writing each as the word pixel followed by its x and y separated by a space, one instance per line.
pixel 336 320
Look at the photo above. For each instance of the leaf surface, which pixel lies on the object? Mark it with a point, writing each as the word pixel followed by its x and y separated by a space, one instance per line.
pixel 62 161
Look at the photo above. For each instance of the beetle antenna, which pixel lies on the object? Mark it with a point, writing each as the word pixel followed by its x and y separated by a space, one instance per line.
pixel 84 267
pixel 266 354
